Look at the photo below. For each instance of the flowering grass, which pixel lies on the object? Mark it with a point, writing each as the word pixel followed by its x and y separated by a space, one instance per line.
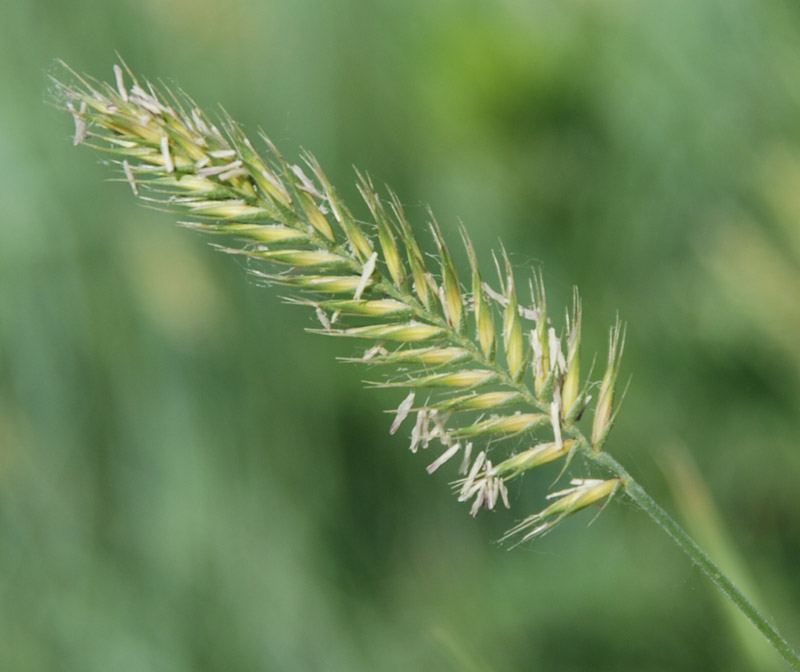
pixel 479 365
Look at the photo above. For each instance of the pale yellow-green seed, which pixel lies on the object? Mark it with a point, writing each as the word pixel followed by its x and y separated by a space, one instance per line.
pixel 305 258
pixel 391 255
pixel 387 240
pixel 186 142
pixel 267 233
pixel 510 424
pixel 605 398
pixel 431 356
pixel 570 389
pixel 484 323
pixel 359 242
pixel 459 379
pixel 416 260
pixel 534 457
pixel 227 209
pixel 571 501
pixel 452 303
pixel 315 216
pixel 189 183
pixel 486 332
pixel 330 284
pixel 485 401
pixel 512 327
pixel 581 497
pixel 409 332
pixel 375 308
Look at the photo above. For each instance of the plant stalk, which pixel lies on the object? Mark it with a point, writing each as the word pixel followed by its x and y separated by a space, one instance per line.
pixel 646 503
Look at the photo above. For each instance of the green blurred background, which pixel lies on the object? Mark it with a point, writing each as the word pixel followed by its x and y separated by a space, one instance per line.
pixel 188 480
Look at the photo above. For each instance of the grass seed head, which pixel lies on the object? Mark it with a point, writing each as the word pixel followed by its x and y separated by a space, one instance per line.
pixel 285 216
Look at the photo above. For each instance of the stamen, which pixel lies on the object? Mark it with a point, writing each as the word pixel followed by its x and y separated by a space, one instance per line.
pixel 402 412
pixel 168 165
pixel 120 83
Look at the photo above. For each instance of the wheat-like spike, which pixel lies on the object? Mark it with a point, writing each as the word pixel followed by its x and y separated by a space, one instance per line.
pixel 176 158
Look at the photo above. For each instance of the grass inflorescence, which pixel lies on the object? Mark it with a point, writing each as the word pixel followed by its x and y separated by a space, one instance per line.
pixel 480 367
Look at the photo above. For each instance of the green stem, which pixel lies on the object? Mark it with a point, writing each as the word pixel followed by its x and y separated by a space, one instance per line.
pixel 646 503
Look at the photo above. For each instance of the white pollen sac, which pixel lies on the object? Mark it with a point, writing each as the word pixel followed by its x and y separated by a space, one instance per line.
pixel 446 455
pixel 419 431
pixel 462 469
pixel 223 154
pixel 438 431
pixel 306 184
pixel 230 174
pixel 80 123
pixel 556 355
pixel 504 493
pixel 274 181
pixel 466 490
pixel 168 165
pixel 118 76
pixel 374 351
pixel 145 100
pixel 200 125
pixel 210 171
pixel 402 412
pixel 366 274
pixel 323 318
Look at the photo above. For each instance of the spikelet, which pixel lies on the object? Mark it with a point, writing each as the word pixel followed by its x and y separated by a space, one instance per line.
pixel 386 237
pixel 452 299
pixel 422 278
pixel 583 493
pixel 484 325
pixel 512 326
pixel 605 414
